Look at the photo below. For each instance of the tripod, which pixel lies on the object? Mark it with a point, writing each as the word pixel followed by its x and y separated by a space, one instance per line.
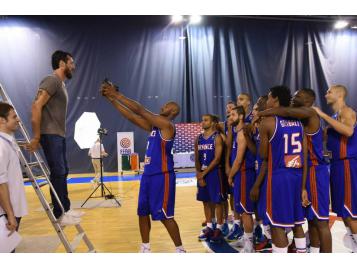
pixel 102 186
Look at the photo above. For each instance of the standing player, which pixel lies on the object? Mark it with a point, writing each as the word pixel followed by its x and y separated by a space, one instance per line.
pixel 236 231
pixel 208 153
pixel 317 183
pixel 244 99
pixel 49 111
pixel 251 133
pixel 226 127
pixel 242 178
pixel 158 183
pixel 282 150
pixel 342 142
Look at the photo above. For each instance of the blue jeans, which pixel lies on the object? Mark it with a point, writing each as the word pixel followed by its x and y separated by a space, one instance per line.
pixel 54 148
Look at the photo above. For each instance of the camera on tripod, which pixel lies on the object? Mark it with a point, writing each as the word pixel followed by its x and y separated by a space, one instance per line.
pixel 102 131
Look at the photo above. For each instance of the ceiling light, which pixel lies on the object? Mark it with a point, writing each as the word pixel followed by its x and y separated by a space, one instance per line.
pixel 194 19
pixel 341 24
pixel 177 18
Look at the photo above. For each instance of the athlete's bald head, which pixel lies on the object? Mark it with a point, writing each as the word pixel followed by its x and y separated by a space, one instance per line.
pixel 170 109
pixel 336 93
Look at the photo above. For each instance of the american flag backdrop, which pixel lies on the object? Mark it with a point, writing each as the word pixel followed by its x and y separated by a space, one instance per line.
pixel 186 134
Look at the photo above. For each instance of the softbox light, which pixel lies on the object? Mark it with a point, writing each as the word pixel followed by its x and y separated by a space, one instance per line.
pixel 86 130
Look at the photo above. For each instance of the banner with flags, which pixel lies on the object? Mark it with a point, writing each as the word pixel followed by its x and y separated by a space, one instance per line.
pixel 125 141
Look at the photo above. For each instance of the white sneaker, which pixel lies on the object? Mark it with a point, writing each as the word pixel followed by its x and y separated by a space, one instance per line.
pixel 248 246
pixel 180 250
pixel 68 220
pixel 238 243
pixel 75 213
pixel 144 249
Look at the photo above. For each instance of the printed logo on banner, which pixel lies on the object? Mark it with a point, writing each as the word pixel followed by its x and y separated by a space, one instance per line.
pixel 125 143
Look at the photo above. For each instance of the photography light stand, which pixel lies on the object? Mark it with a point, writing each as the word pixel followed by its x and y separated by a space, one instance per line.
pixel 101 184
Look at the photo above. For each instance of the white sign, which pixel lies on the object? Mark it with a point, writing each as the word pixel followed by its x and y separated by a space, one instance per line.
pixel 125 141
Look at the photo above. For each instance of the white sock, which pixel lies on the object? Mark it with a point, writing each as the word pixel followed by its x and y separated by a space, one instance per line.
pixel 267 231
pixel 314 250
pixel 279 250
pixel 219 226
pixel 248 236
pixel 237 222
pixel 210 225
pixel 300 244
pixel 146 245
pixel 348 230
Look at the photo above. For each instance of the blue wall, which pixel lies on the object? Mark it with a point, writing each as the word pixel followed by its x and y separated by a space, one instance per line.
pixel 145 57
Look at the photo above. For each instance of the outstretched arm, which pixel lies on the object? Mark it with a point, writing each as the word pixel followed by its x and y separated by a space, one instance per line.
pixel 134 118
pixel 345 126
pixel 166 127
pixel 108 90
pixel 299 113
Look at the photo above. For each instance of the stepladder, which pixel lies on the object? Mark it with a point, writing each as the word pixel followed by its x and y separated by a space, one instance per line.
pixel 38 174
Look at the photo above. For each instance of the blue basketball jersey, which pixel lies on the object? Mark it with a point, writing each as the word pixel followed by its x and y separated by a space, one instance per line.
pixel 158 156
pixel 315 148
pixel 285 146
pixel 206 149
pixel 258 160
pixel 342 147
pixel 248 118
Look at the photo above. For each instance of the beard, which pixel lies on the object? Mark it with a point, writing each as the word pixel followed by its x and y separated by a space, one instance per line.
pixel 68 73
pixel 235 123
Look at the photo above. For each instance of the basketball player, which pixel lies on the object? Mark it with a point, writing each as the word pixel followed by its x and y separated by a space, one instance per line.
pixel 158 182
pixel 244 99
pixel 317 183
pixel 236 231
pixel 282 149
pixel 342 142
pixel 251 133
pixel 208 153
pixel 242 178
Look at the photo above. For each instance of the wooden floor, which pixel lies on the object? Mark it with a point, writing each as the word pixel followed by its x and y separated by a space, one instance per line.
pixel 116 229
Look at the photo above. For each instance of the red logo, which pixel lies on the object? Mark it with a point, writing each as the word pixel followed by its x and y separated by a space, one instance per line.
pixel 125 143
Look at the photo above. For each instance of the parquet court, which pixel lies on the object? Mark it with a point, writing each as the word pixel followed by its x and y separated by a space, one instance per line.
pixel 115 229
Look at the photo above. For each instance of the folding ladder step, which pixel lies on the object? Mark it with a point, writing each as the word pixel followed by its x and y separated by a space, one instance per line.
pixel 22 143
pixel 77 240
pixel 33 164
pixel 43 183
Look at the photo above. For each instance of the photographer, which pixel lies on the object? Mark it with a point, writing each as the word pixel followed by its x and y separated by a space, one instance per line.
pixel 96 152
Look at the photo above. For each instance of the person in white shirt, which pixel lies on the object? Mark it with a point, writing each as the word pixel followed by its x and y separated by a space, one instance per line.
pixel 13 204
pixel 95 152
